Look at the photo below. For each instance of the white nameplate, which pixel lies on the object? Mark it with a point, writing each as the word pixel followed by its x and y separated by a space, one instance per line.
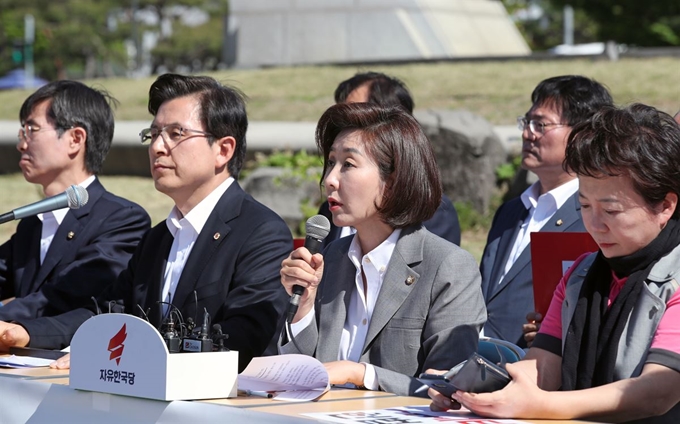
pixel 125 355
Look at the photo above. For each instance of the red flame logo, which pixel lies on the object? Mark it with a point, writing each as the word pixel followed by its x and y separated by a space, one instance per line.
pixel 116 345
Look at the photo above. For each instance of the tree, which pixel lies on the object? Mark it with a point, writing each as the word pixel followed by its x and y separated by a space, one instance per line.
pixel 642 23
pixel 197 48
pixel 193 47
pixel 76 38
pixel 541 23
pixel 71 37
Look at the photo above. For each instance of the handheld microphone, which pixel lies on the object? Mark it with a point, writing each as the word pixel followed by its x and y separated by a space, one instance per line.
pixel 74 197
pixel 316 228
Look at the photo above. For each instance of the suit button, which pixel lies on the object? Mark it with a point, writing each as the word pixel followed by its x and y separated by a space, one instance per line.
pixel 365 321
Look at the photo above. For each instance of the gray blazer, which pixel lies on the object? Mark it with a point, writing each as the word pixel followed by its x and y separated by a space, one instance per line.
pixel 428 313
pixel 509 301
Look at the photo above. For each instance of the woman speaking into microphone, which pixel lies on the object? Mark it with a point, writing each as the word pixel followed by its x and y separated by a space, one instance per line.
pixel 393 300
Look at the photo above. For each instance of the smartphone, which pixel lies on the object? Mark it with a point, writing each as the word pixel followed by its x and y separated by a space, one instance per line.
pixel 442 382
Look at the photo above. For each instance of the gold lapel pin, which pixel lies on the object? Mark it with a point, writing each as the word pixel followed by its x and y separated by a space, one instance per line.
pixel 559 222
pixel 410 280
pixel 216 236
pixel 70 235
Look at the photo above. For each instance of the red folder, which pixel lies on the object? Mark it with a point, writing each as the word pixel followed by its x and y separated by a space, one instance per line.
pixel 551 255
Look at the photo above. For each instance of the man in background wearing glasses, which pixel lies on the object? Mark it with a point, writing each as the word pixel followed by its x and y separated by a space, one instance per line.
pixel 219 250
pixel 57 261
pixel 550 204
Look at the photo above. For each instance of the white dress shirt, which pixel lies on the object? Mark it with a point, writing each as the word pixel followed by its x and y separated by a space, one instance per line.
pixel 185 231
pixel 541 209
pixel 361 303
pixel 51 222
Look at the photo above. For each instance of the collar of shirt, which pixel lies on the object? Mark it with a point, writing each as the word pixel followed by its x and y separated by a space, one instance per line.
pixel 379 257
pixel 198 216
pixel 362 302
pixel 374 265
pixel 60 214
pixel 530 197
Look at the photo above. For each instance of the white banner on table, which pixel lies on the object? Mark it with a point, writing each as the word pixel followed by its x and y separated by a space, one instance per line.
pixel 407 414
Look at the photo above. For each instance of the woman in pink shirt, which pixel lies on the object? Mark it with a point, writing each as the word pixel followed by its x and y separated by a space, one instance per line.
pixel 609 347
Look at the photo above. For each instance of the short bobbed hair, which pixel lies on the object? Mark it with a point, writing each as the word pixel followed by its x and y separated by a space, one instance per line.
pixel 222 109
pixel 396 143
pixel 637 141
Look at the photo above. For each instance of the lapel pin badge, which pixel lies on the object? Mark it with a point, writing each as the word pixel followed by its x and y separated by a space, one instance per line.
pixel 410 280
pixel 216 236
pixel 70 235
pixel 559 222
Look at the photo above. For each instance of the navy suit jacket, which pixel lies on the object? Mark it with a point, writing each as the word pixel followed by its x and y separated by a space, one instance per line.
pixel 91 247
pixel 508 302
pixel 233 268
pixel 444 223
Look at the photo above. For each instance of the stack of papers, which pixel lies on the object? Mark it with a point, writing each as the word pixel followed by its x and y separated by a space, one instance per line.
pixel 24 362
pixel 291 377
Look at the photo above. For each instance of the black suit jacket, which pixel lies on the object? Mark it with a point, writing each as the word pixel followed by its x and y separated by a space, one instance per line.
pixel 510 300
pixel 91 247
pixel 443 223
pixel 233 268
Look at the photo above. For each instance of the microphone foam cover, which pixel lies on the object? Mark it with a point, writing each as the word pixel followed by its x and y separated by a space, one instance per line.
pixel 77 196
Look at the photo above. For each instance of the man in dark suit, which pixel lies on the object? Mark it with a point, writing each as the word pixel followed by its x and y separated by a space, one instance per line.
pixel 550 204
pixel 219 250
pixel 57 261
pixel 378 88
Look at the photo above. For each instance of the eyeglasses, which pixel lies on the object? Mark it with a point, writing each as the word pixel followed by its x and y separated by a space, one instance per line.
pixel 536 127
pixel 171 134
pixel 27 130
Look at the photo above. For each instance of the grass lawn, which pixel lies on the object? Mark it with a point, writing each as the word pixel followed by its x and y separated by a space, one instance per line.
pixel 497 90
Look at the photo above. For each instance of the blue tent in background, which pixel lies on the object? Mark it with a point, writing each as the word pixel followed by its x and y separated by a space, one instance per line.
pixel 17 79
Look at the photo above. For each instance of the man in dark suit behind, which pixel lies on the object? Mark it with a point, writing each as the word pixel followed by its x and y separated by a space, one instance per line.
pixel 56 261
pixel 381 89
pixel 550 204
pixel 219 250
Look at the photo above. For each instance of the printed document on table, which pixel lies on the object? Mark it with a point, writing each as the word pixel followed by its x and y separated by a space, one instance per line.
pixel 290 377
pixel 407 414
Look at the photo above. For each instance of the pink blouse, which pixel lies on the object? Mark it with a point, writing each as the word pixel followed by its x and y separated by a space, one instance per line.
pixel 667 335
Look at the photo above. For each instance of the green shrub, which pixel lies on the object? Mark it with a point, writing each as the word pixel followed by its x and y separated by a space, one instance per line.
pixel 300 167
pixel 506 172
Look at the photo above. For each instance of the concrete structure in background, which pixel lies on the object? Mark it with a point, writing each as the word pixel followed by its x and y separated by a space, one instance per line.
pixel 294 32
pixel 129 157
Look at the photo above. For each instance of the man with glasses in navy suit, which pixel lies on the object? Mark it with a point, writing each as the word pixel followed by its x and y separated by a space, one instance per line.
pixel 219 250
pixel 550 204
pixel 57 261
